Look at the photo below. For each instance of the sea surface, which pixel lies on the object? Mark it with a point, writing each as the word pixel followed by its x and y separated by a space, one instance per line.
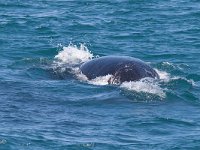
pixel 47 104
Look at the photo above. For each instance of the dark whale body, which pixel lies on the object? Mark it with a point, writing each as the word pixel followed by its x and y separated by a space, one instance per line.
pixel 122 68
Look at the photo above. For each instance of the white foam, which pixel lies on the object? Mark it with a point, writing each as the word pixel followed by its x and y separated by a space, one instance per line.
pixel 146 85
pixel 77 72
pixel 73 55
pixel 102 80
pixel 163 75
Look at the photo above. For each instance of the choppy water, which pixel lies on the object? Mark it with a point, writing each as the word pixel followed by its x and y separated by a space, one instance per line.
pixel 47 104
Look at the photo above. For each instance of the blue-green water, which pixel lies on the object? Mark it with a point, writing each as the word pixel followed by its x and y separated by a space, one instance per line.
pixel 45 106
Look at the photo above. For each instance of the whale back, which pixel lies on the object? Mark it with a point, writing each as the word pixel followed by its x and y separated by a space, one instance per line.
pixel 121 68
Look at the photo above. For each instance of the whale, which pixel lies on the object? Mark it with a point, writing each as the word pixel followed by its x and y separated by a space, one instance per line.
pixel 121 68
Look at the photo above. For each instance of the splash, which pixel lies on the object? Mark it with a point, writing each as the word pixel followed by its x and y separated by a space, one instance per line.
pixel 74 55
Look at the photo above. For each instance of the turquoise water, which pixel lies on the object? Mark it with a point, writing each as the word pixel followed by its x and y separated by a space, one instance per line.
pixel 47 104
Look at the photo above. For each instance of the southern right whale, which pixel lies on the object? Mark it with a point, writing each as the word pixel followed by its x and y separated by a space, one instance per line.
pixel 122 68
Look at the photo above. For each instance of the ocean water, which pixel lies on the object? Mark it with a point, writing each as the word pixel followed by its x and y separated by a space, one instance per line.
pixel 47 104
